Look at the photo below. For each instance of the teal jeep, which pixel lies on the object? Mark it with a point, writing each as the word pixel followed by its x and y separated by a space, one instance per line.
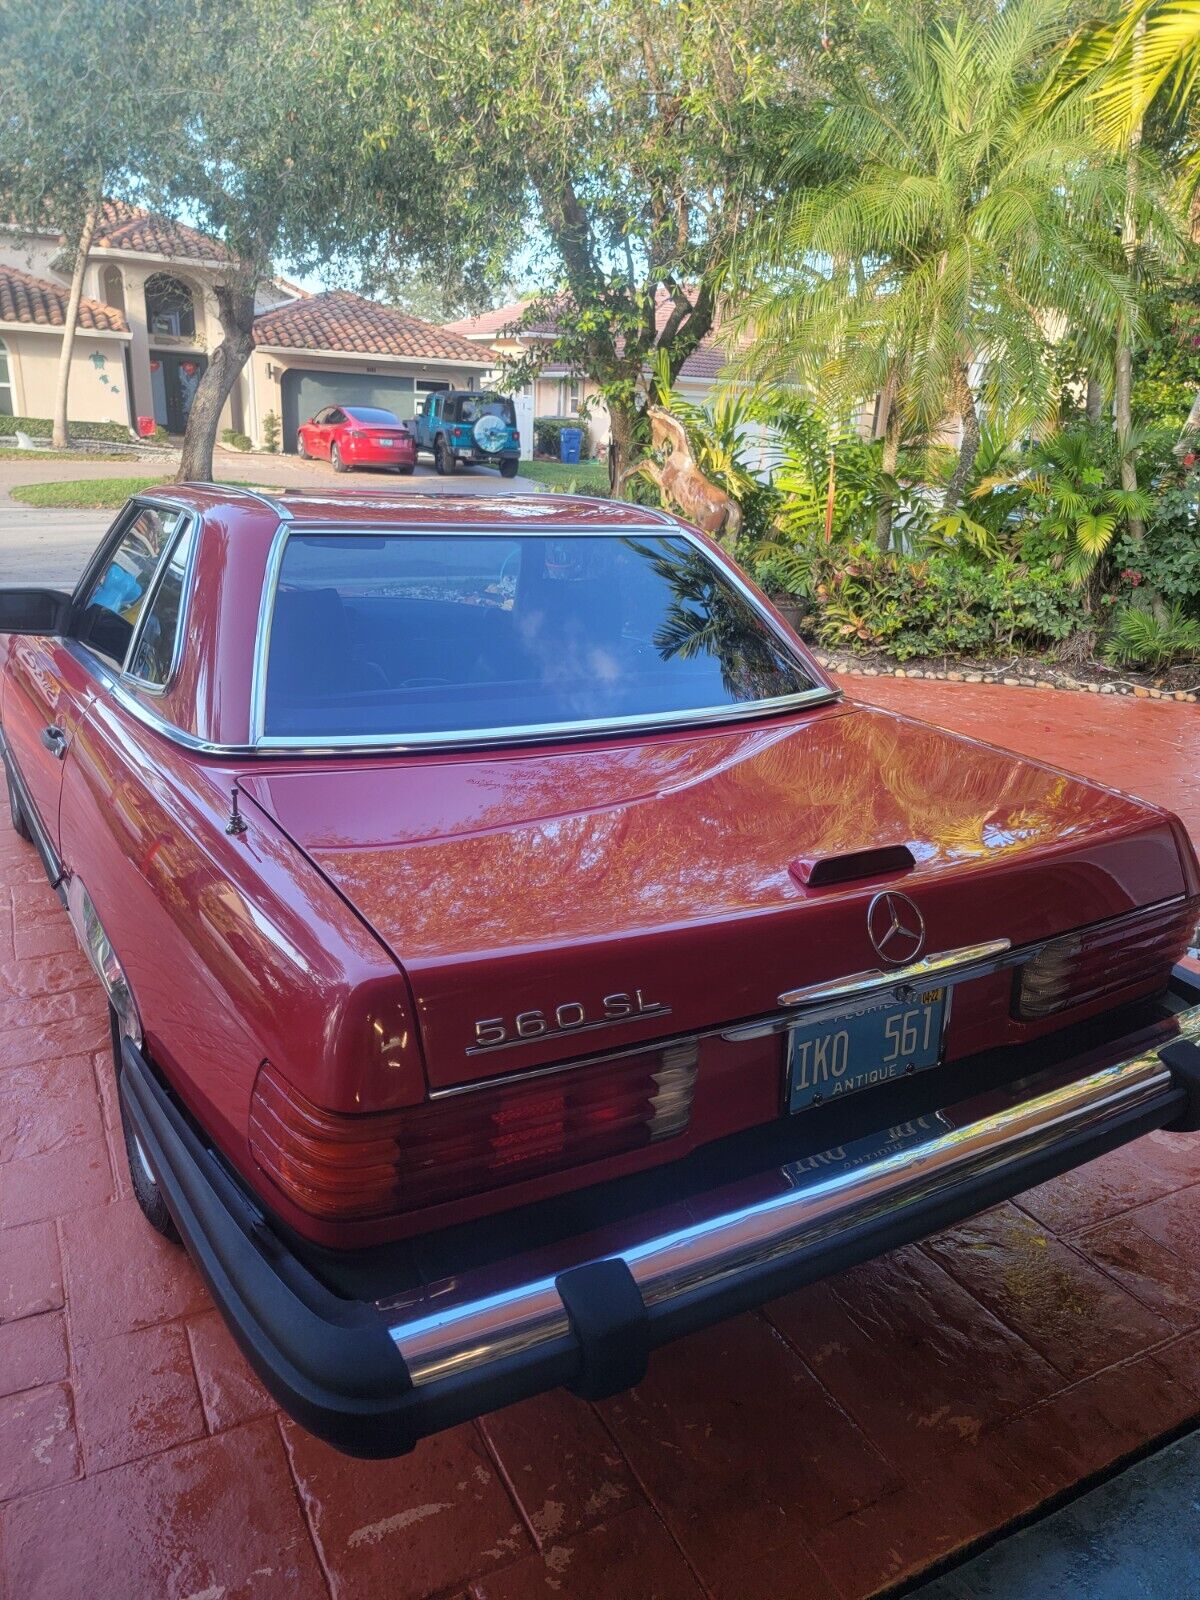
pixel 467 425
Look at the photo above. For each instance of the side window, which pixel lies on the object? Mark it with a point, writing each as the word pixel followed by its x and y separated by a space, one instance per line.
pixel 112 606
pixel 155 648
pixel 319 419
pixel 335 416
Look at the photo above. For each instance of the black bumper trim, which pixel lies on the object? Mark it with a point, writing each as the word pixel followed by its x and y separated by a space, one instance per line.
pixel 333 1365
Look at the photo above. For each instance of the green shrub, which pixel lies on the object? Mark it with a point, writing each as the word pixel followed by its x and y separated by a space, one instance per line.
pixel 43 427
pixel 271 432
pixel 939 606
pixel 1167 561
pixel 1144 636
pixel 547 434
pixel 234 439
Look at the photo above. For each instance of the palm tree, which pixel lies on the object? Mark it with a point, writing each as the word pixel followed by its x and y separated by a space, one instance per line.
pixel 1153 47
pixel 969 221
pixel 1150 56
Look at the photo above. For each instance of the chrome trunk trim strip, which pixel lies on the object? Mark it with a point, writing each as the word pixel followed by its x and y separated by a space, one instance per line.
pixel 452 1332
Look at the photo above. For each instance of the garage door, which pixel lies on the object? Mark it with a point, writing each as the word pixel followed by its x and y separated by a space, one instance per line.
pixel 305 393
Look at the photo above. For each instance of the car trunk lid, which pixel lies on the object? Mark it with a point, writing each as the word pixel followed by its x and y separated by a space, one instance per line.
pixel 556 902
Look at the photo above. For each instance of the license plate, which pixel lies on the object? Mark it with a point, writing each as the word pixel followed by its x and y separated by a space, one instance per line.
pixel 837 1055
pixel 387 443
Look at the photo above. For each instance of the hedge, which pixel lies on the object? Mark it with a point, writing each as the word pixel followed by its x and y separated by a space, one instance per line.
pixel 546 431
pixel 43 427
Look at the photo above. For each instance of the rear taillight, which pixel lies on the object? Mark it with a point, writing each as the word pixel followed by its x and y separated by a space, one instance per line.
pixel 1093 963
pixel 376 1164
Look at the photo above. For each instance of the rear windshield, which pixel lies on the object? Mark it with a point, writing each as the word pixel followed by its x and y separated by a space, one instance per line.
pixel 370 414
pixel 409 635
pixel 472 407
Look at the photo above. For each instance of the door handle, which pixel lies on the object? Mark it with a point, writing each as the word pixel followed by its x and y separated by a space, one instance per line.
pixel 55 741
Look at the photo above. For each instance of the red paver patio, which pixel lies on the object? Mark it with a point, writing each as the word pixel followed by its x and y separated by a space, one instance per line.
pixel 840 1441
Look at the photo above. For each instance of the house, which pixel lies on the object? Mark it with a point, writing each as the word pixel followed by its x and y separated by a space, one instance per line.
pixel 339 346
pixel 148 324
pixel 560 391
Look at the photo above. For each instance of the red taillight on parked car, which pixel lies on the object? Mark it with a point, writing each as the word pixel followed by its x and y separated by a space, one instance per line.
pixel 335 1165
pixel 1094 963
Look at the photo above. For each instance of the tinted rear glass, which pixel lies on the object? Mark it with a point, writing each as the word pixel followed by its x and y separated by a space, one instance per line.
pixel 372 414
pixel 410 634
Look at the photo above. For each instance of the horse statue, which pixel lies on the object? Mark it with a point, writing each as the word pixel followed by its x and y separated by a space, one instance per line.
pixel 680 481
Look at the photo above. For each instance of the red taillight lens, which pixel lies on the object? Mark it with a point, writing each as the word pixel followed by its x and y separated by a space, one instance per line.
pixel 334 1165
pixel 1093 963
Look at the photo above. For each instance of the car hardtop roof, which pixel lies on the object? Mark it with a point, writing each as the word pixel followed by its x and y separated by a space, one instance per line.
pixel 325 508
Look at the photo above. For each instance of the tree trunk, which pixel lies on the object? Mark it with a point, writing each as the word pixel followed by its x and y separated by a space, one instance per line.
pixel 969 447
pixel 1094 404
pixel 887 428
pixel 622 436
pixel 60 436
pixel 1191 427
pixel 1123 377
pixel 235 306
pixel 891 455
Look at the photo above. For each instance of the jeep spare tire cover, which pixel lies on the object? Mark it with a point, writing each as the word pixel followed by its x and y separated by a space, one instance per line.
pixel 491 433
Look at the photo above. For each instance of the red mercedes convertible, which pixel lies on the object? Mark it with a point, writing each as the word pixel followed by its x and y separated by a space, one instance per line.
pixel 520 953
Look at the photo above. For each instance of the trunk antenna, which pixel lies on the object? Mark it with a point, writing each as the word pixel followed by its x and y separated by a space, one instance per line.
pixel 236 823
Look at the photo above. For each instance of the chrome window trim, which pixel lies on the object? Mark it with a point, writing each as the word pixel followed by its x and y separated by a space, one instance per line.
pixel 498 738
pixel 188 527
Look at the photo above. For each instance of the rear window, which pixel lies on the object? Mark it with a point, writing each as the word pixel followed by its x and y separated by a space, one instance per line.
pixel 371 414
pixel 411 635
pixel 472 407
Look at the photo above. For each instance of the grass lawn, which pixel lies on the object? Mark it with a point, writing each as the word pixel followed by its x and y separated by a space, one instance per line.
pixel 96 494
pixel 589 477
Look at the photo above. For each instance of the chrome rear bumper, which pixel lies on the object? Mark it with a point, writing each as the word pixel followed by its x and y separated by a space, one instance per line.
pixel 987 1140
pixel 376 1373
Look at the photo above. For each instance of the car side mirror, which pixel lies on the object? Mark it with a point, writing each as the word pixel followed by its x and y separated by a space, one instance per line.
pixel 25 610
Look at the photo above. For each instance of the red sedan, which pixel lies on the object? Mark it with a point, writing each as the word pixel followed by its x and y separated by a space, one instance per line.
pixel 357 436
pixel 520 953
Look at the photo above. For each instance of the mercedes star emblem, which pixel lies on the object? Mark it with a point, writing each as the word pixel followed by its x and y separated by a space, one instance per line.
pixel 896 927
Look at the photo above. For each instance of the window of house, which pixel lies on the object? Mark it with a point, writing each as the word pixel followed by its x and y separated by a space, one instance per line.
pixel 170 309
pixel 112 289
pixel 7 409
pixel 568 397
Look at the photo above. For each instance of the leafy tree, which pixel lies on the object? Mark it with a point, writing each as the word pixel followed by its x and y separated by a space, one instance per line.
pixel 86 94
pixel 969 217
pixel 274 163
pixel 611 153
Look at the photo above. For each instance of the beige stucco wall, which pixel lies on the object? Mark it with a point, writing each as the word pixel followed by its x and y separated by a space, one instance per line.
pixel 97 390
pixel 548 401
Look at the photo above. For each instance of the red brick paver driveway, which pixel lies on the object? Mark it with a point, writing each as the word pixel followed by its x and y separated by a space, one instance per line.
pixel 846 1437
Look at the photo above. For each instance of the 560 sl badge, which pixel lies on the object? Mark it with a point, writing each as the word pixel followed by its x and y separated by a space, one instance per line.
pixel 572 1016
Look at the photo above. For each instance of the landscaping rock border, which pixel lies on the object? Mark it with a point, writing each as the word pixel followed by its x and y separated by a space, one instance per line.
pixel 124 447
pixel 1054 679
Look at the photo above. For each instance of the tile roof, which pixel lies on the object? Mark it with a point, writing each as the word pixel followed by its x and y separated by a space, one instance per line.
pixel 126 227
pixel 499 320
pixel 33 300
pixel 706 362
pixel 339 320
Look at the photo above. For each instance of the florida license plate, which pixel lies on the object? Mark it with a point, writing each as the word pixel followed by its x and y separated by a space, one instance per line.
pixel 837 1055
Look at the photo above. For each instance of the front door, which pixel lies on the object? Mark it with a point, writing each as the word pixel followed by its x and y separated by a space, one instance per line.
pixel 174 380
